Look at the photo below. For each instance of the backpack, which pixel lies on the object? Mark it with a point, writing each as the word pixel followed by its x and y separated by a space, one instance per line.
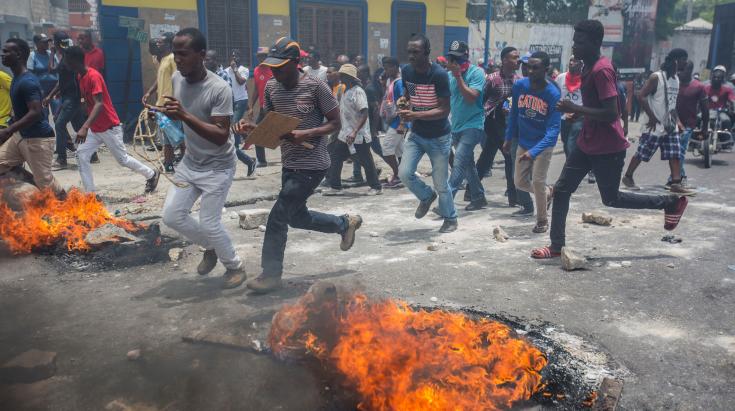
pixel 388 109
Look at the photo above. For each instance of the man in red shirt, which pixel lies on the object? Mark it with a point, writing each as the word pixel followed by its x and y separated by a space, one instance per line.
pixel 102 125
pixel 261 75
pixel 721 96
pixel 93 57
pixel 601 144
pixel 692 96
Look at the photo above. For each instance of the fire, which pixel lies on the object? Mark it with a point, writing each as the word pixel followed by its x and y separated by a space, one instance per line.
pixel 399 358
pixel 46 220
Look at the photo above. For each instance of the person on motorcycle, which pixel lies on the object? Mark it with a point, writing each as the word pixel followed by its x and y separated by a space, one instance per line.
pixel 692 96
pixel 721 96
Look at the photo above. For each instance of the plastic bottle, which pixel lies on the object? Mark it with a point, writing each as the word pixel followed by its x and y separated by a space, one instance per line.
pixel 353 151
pixel 173 130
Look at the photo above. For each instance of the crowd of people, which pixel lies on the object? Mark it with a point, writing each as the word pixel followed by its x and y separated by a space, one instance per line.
pixel 442 109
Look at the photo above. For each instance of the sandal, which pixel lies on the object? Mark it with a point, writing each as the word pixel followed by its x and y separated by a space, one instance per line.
pixel 672 218
pixel 541 227
pixel 549 198
pixel 544 253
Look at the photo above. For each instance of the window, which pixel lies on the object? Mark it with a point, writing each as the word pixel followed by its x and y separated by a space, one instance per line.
pixel 228 29
pixel 78 6
pixel 407 19
pixel 332 30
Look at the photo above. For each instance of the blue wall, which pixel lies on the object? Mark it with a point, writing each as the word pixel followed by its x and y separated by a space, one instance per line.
pixel 455 33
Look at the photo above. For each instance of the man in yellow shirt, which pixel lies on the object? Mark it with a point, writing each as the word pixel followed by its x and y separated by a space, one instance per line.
pixel 5 106
pixel 164 87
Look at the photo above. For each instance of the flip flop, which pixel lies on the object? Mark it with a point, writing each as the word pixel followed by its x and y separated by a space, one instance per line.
pixel 672 218
pixel 544 253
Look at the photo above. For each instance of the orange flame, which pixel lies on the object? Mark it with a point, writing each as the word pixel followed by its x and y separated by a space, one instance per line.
pixel 45 220
pixel 398 358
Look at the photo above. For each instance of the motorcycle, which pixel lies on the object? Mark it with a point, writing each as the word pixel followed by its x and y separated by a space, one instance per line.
pixel 716 140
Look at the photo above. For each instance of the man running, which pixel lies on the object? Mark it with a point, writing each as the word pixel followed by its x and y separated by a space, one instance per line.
pixel 534 118
pixel 601 145
pixel 298 95
pixel 102 125
pixel 692 96
pixel 203 102
pixel 426 85
pixel 468 117
pixel 658 99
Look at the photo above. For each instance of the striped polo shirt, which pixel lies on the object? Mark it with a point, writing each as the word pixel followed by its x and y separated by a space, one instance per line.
pixel 309 101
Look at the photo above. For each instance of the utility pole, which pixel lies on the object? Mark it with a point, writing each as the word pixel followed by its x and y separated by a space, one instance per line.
pixel 689 10
pixel 488 15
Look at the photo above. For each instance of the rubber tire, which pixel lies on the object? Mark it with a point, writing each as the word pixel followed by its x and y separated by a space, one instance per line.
pixel 706 153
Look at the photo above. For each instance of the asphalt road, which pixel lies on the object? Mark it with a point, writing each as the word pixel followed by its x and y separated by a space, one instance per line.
pixel 665 315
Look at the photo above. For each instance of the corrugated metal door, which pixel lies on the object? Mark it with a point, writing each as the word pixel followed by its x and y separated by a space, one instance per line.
pixel 408 22
pixel 228 29
pixel 332 30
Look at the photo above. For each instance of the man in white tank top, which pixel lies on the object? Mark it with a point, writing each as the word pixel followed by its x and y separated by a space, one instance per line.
pixel 658 99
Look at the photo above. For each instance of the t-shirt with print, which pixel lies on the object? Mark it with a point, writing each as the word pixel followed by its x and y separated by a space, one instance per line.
pixel 687 103
pixel 533 116
pixel 239 91
pixel 91 84
pixel 600 137
pixel 211 97
pixel 166 69
pixel 573 96
pixel 353 101
pixel 5 105
pixel 466 115
pixel 424 90
pixel 24 89
pixel 718 98
pixel 310 100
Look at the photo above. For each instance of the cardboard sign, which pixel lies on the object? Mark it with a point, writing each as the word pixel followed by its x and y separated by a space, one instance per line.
pixel 269 132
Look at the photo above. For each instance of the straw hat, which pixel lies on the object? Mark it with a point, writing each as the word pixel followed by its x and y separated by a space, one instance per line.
pixel 349 70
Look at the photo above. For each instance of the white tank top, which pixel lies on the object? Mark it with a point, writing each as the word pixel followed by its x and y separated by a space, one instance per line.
pixel 656 100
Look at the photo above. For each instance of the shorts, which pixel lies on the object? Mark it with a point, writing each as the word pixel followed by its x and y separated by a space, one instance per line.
pixel 392 143
pixel 668 143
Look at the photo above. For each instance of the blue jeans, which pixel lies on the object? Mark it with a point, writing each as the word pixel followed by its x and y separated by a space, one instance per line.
pixel 684 142
pixel 438 151
pixel 569 132
pixel 464 163
pixel 239 109
pixel 70 110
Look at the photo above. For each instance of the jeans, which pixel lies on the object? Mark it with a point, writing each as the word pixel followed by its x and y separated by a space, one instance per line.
pixel 522 197
pixel 212 186
pixel 70 110
pixel 357 166
pixel 239 108
pixel 113 139
pixel 340 152
pixel 241 155
pixel 569 132
pixel 635 111
pixel 464 163
pixel 495 137
pixel 608 169
pixel 438 151
pixel 290 210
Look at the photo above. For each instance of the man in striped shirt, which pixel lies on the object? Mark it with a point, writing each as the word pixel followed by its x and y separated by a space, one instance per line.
pixel 304 157
pixel 427 88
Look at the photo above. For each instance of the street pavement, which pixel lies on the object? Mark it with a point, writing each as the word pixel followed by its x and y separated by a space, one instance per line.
pixel 662 311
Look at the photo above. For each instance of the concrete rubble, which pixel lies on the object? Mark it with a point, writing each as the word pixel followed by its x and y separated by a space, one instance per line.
pixel 30 366
pixel 571 261
pixel 108 233
pixel 253 218
pixel 597 218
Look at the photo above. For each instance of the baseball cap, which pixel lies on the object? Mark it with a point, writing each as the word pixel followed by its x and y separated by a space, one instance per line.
pixel 282 52
pixel 458 48
pixel 720 68
pixel 40 37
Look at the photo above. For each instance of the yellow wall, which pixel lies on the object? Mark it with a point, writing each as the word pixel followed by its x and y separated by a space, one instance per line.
pixel 157 4
pixel 438 12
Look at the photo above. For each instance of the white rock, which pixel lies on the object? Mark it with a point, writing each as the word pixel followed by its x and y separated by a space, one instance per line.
pixel 571 261
pixel 597 218
pixel 500 234
pixel 614 265
pixel 433 247
pixel 253 218
pixel 626 263
pixel 234 215
pixel 433 299
pixel 175 254
pixel 374 234
pixel 261 228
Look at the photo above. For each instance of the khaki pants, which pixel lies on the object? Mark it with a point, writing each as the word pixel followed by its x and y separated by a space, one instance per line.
pixel 38 152
pixel 530 176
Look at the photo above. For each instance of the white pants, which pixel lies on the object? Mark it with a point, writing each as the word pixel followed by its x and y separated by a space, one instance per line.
pixel 113 139
pixel 212 186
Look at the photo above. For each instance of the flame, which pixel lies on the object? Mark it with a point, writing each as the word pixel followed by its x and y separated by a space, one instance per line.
pixel 399 358
pixel 46 220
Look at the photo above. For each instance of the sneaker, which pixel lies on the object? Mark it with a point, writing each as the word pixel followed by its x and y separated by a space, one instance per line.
pixel 393 182
pixel 467 197
pixel 678 188
pixel 541 227
pixel 425 205
pixel 476 205
pixel 152 183
pixel 94 159
pixel 234 278
pixel 209 261
pixel 168 168
pixel 348 237
pixel 628 182
pixel 251 167
pixel 374 192
pixel 59 165
pixel 333 192
pixel 523 212
pixel 71 147
pixel 448 226
pixel 265 283
pixel 354 179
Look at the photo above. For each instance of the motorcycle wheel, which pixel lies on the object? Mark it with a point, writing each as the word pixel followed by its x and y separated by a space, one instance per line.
pixel 706 152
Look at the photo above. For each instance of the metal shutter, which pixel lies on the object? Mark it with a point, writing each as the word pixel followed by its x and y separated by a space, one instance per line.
pixel 228 28
pixel 408 22
pixel 332 30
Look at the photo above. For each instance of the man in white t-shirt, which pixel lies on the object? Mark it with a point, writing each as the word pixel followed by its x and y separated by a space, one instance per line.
pixel 570 85
pixel 239 75
pixel 315 68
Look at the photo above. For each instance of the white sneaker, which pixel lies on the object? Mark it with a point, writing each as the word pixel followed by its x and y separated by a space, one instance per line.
pixel 375 192
pixel 332 192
